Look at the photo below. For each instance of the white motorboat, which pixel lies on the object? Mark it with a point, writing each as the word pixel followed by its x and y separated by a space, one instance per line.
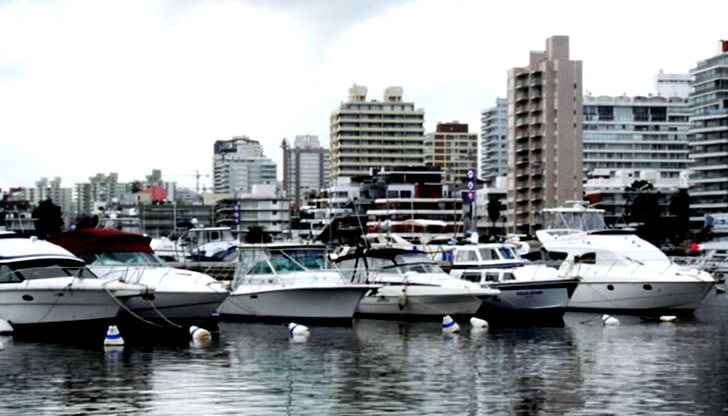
pixel 530 293
pixel 197 244
pixel 179 295
pixel 618 270
pixel 413 286
pixel 44 285
pixel 286 282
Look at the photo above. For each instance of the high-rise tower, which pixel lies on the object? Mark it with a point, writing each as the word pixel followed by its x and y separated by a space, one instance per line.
pixel 544 134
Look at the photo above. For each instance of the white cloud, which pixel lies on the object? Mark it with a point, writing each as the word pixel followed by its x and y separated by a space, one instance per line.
pixel 89 87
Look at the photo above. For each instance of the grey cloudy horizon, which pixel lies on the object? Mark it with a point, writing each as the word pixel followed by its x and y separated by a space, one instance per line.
pixel 91 87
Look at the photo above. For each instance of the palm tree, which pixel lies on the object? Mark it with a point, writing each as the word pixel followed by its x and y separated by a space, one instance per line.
pixel 494 210
pixel 257 234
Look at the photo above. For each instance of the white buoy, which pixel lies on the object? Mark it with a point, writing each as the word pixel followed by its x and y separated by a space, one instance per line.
pixel 478 323
pixel 113 337
pixel 200 335
pixel 608 320
pixel 449 326
pixel 296 329
pixel 5 327
pixel 669 318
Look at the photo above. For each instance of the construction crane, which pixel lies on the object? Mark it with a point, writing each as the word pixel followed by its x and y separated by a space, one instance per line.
pixel 197 176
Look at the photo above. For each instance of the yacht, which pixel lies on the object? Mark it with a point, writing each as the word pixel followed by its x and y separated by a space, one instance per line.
pixel 197 244
pixel 529 292
pixel 43 287
pixel 618 270
pixel 412 285
pixel 290 281
pixel 180 296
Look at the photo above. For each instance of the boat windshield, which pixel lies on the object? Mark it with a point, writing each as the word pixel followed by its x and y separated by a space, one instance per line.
pixel 290 261
pixel 574 219
pixel 43 269
pixel 417 263
pixel 138 258
pixel 508 254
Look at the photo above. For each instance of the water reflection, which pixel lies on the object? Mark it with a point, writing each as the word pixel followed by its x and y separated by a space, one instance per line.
pixel 387 366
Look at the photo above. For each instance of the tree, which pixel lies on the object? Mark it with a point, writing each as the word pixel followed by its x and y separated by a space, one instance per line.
pixel 257 234
pixel 680 216
pixel 48 219
pixel 643 208
pixel 494 210
pixel 135 186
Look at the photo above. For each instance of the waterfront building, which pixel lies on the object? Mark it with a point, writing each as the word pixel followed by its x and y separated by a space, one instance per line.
pixel 17 211
pixel 493 154
pixel 544 134
pixel 415 203
pixel 51 190
pixel 336 201
pixel 263 206
pixel 370 135
pixel 454 150
pixel 100 189
pixel 609 192
pixel 483 197
pixel 708 137
pixel 672 85
pixel 635 133
pixel 239 163
pixel 305 168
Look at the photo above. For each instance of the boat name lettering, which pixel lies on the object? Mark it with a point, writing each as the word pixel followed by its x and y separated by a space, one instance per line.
pixel 529 293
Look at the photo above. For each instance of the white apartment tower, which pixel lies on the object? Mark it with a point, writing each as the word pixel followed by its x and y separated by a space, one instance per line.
pixel 544 134
pixel 635 133
pixel 493 155
pixel 305 168
pixel 370 135
pixel 239 163
pixel 708 136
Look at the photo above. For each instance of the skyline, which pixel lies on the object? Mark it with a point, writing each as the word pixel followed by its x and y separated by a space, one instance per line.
pixel 103 88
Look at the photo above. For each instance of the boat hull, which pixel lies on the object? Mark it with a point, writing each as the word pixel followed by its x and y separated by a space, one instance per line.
pixel 529 302
pixel 310 303
pixel 645 297
pixel 423 302
pixel 171 305
pixel 60 300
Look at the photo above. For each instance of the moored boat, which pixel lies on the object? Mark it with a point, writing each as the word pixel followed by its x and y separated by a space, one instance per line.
pixel 290 282
pixel 530 293
pixel 412 286
pixel 181 297
pixel 619 271
pixel 46 290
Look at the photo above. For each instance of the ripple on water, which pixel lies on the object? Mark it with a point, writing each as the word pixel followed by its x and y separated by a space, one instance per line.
pixel 380 366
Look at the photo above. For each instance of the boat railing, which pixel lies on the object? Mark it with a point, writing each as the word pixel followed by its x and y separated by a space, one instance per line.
pixel 627 266
pixel 42 272
pixel 130 273
pixel 702 263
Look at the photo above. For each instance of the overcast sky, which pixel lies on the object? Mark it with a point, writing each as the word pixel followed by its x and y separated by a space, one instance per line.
pixel 129 86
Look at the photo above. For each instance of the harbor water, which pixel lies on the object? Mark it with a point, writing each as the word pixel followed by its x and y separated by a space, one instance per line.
pixel 375 367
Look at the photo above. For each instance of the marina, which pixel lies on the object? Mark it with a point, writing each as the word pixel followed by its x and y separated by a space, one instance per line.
pixel 377 366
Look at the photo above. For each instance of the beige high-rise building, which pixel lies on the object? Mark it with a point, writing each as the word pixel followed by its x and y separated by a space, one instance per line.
pixel 544 134
pixel 454 150
pixel 368 135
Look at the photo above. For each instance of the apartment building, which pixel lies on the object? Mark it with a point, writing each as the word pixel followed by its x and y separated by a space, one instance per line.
pixel 371 135
pixel 544 134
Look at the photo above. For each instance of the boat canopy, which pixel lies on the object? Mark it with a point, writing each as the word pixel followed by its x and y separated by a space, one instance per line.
pixel 100 240
pixel 577 217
